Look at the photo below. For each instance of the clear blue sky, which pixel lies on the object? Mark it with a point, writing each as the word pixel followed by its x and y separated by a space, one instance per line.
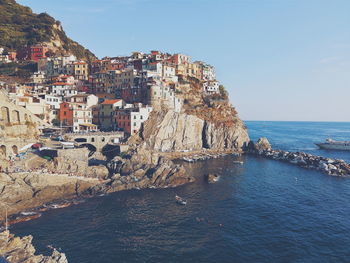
pixel 279 59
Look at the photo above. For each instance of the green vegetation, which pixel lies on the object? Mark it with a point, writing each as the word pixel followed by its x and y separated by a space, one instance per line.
pixel 19 26
pixel 223 91
pixel 22 70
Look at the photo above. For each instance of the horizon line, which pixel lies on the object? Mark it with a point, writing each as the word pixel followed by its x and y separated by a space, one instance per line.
pixel 295 121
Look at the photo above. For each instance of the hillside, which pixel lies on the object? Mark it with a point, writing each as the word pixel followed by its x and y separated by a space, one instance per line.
pixel 19 26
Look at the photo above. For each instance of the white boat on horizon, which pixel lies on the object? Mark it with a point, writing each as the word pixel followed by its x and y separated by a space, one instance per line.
pixel 334 145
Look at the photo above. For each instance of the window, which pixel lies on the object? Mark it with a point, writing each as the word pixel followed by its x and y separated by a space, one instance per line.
pixel 134 123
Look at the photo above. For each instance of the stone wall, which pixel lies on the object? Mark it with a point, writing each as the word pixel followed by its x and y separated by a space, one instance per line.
pixel 75 162
pixel 16 120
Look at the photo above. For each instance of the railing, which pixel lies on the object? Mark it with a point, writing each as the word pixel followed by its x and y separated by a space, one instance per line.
pixel 95 133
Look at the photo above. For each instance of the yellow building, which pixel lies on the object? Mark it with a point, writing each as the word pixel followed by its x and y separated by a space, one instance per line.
pixel 81 70
pixel 192 70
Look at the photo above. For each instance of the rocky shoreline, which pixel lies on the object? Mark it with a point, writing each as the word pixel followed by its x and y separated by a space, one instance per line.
pixel 14 250
pixel 202 157
pixel 328 166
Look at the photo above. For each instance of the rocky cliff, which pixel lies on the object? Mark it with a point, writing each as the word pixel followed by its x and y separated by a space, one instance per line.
pixel 16 249
pixel 178 131
pixel 205 122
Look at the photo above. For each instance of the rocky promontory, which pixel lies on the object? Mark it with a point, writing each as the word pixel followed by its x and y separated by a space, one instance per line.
pixel 204 122
pixel 15 249
pixel 172 131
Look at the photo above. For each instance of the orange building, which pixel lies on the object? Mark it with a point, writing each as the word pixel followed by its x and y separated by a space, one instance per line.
pixel 66 114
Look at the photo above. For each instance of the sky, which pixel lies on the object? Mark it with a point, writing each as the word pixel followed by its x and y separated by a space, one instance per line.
pixel 286 60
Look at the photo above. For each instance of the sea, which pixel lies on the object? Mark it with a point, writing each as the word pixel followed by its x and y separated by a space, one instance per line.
pixel 259 211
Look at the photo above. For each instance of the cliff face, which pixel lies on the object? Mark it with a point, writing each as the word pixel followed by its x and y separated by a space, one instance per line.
pixel 205 122
pixel 178 131
pixel 19 26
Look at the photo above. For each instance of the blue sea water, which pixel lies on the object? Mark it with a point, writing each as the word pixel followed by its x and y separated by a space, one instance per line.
pixel 261 211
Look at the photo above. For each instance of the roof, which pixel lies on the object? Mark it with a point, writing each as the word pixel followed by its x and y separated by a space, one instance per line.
pixel 107 102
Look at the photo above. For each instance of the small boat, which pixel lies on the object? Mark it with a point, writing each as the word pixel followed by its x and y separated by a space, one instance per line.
pixel 24 219
pixel 58 206
pixel 28 213
pixel 334 145
pixel 180 200
pixel 238 162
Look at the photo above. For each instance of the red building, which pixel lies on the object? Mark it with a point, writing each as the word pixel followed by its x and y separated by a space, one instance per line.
pixel 66 114
pixel 32 53
pixel 122 119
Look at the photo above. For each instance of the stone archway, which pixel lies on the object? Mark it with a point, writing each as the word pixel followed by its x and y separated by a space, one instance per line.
pixel 15 149
pixel 15 116
pixel 80 140
pixel 5 115
pixel 2 151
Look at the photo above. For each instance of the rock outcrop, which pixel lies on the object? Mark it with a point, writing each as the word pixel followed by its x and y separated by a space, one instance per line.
pixel 22 191
pixel 15 250
pixel 178 131
pixel 326 165
pixel 144 170
pixel 212 178
pixel 76 162
pixel 262 145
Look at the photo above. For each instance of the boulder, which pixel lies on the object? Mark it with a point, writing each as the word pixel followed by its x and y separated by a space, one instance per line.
pixel 100 172
pixel 262 145
pixel 212 178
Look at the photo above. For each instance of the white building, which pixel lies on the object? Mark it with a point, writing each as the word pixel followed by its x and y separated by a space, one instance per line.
pixel 82 118
pixel 4 59
pixel 169 73
pixel 208 72
pixel 163 95
pixel 88 99
pixel 62 89
pixel 138 117
pixel 60 65
pixel 38 77
pixel 211 87
pixel 54 104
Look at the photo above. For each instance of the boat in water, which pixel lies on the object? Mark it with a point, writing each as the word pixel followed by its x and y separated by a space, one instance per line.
pixel 180 200
pixel 335 145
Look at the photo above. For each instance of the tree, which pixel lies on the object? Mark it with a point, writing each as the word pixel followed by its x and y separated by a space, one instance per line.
pixel 223 91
